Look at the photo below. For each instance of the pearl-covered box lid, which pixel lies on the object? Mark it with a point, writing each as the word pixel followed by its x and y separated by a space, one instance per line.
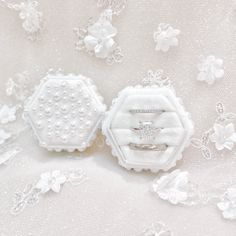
pixel 65 112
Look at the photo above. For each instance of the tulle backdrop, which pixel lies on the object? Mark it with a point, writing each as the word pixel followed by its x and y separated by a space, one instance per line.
pixel 114 201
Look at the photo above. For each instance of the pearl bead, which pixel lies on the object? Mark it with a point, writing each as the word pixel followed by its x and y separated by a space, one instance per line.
pixel 72 96
pixel 64 139
pixel 64 109
pixel 73 124
pixel 58 125
pixel 48 110
pixel 56 97
pixel 41 99
pixel 39 124
pixel 63 84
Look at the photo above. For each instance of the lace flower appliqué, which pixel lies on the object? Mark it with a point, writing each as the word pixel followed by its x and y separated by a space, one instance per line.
pixel 157 229
pixel 30 16
pixel 173 187
pixel 222 134
pixel 228 204
pixel 210 69
pixel 48 181
pixel 19 86
pixel 98 38
pixel 156 78
pixel 165 37
pixel 7 114
pixel 51 181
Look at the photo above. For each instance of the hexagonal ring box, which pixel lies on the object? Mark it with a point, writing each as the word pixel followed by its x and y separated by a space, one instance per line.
pixel 65 112
pixel 147 127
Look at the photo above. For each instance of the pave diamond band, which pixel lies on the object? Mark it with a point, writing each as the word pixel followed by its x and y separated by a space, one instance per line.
pixel 148 147
pixel 146 130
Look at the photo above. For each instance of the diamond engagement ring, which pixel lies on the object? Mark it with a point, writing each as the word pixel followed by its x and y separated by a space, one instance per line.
pixel 148 147
pixel 146 130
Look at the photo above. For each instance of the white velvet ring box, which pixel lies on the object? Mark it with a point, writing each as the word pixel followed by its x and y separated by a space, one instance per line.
pixel 65 112
pixel 147 128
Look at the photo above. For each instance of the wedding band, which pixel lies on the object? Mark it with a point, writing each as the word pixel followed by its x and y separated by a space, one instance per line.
pixel 148 147
pixel 134 111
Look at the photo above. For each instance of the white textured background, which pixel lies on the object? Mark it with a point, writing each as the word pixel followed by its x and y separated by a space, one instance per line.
pixel 114 201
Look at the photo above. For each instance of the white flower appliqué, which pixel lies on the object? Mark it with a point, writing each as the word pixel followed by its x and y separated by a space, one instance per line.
pixel 51 181
pixel 222 133
pixel 210 69
pixel 224 136
pixel 173 187
pixel 157 229
pixel 20 87
pixel 4 136
pixel 28 13
pixel 165 37
pixel 100 38
pixel 228 204
pixel 7 114
pixel 48 181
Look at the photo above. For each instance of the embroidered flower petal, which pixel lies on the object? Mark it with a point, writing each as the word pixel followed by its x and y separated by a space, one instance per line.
pixel 4 136
pixel 223 205
pixel 7 114
pixel 43 185
pixel 56 187
pixel 219 73
pixel 173 187
pixel 90 42
pixel 229 145
pixel 228 204
pixel 46 176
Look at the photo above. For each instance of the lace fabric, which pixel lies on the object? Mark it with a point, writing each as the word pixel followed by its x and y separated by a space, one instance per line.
pixel 113 194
